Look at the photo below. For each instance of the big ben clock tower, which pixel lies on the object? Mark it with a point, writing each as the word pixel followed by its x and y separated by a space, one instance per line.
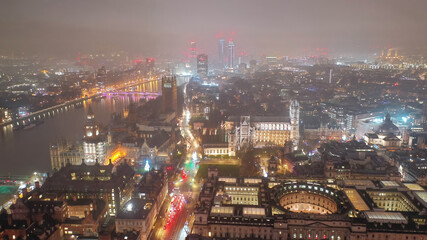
pixel 94 144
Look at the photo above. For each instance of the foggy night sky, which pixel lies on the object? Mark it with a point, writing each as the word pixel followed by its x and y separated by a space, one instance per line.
pixel 165 27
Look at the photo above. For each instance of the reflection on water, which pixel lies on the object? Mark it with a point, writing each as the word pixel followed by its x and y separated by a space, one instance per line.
pixel 27 151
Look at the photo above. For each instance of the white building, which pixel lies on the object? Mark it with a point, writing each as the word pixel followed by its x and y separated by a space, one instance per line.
pixel 263 131
pixel 387 134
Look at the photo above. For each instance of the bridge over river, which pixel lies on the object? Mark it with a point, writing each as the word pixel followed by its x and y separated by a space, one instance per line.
pixel 146 87
pixel 26 152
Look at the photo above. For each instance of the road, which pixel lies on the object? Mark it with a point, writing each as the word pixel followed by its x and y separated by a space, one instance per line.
pixel 186 186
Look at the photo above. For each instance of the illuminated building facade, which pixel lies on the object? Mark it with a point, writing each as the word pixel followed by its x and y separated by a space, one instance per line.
pixel 387 134
pixel 262 131
pixel 231 54
pixel 94 144
pixel 258 131
pixel 323 133
pixel 218 149
pixel 262 208
pixel 193 55
pixel 62 153
pixel 221 53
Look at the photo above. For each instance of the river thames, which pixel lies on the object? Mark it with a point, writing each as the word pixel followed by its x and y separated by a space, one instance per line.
pixel 23 152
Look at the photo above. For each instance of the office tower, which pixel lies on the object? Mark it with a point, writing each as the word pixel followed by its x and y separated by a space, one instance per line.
pixel 221 53
pixel 202 66
pixel 231 50
pixel 193 49
pixel 94 144
pixel 149 64
pixel 169 94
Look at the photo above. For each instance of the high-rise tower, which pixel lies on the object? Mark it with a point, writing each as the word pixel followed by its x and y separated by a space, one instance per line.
pixel 221 52
pixel 202 66
pixel 193 55
pixel 294 110
pixel 193 49
pixel 231 50
pixel 169 94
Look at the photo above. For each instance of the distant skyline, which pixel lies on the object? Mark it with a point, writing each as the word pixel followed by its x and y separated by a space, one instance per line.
pixel 165 27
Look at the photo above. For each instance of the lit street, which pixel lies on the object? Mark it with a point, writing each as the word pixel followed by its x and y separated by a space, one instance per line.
pixel 213 120
pixel 176 226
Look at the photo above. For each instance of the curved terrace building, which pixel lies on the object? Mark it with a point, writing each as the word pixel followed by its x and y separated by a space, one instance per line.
pixel 279 208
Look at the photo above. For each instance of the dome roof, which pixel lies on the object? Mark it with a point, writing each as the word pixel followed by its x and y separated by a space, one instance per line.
pixel 388 127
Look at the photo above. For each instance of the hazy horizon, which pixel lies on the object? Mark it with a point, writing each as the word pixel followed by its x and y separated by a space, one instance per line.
pixel 165 27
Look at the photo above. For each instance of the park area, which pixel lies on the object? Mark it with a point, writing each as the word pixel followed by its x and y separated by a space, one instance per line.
pixel 224 170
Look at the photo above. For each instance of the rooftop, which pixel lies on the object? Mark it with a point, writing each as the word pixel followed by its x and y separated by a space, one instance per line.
pixel 135 208
pixel 385 217
pixel 414 186
pixel 356 200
